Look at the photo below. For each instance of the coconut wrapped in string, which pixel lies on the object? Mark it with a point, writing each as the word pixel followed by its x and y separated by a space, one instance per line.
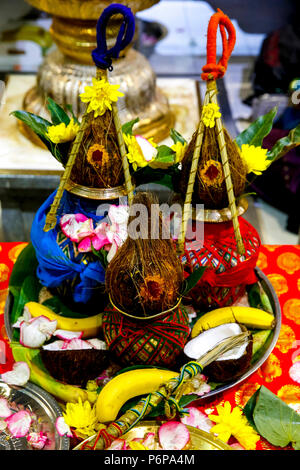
pixel 66 231
pixel 210 186
pixel 145 322
pixel 214 174
pixel 145 276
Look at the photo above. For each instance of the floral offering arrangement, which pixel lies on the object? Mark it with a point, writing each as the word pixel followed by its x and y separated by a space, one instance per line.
pixel 120 325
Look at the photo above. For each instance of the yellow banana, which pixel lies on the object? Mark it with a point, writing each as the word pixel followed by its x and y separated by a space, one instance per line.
pixel 90 326
pixel 248 316
pixel 128 385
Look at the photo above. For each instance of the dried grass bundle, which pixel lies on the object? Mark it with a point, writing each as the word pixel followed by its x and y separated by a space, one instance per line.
pixel 98 163
pixel 210 186
pixel 145 276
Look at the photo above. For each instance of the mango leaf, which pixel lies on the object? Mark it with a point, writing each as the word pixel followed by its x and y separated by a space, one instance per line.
pixel 176 137
pixel 165 157
pixel 58 114
pixel 192 280
pixel 70 109
pixel 40 126
pixel 274 420
pixel 36 123
pixel 128 126
pixel 285 144
pixel 258 130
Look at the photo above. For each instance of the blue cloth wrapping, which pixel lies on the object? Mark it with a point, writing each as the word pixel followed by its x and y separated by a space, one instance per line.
pixel 54 267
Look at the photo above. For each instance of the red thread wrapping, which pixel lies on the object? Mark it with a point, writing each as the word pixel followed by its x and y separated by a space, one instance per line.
pixel 155 342
pixel 212 69
pixel 227 274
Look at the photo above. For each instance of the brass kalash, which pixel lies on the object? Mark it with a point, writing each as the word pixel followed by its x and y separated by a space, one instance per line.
pixel 69 68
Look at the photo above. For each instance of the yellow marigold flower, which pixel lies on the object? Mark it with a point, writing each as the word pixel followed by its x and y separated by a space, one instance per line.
pixel 179 149
pixel 210 112
pixel 233 423
pixel 140 150
pixel 211 173
pixel 134 445
pixel 100 96
pixel 82 417
pixel 62 133
pixel 255 158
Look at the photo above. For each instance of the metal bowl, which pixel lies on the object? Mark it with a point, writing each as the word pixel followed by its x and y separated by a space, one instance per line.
pixel 43 405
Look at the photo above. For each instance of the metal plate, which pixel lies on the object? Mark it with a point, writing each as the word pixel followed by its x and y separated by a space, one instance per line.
pixel 254 367
pixel 44 406
pixel 269 346
pixel 199 440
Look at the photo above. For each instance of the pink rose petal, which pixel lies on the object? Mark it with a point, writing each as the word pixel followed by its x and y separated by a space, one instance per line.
pixel 62 428
pixel 19 375
pixel 37 440
pixel 197 419
pixel 5 410
pixel 19 423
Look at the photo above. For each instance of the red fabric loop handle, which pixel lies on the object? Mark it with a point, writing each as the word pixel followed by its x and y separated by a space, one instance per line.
pixel 214 70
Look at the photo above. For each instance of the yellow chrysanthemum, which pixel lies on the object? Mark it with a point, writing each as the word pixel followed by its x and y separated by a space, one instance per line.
pixel 233 423
pixel 62 133
pixel 82 417
pixel 179 149
pixel 255 158
pixel 100 96
pixel 210 112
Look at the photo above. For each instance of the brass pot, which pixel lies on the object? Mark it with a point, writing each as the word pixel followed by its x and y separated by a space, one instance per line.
pixel 69 68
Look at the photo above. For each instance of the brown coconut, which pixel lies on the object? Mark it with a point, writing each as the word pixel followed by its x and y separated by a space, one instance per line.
pixel 221 370
pixel 98 163
pixel 75 367
pixel 210 187
pixel 145 276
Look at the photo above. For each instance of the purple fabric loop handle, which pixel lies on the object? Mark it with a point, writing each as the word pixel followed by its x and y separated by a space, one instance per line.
pixel 102 56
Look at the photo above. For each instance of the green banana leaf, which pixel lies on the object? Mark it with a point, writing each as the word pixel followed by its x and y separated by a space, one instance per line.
pixel 25 265
pixel 285 144
pixel 258 130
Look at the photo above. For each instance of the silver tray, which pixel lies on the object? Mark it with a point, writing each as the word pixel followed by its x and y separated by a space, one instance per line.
pixel 254 367
pixel 42 404
pixel 269 346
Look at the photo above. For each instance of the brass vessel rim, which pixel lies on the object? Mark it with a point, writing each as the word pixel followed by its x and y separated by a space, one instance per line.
pixel 219 215
pixel 95 193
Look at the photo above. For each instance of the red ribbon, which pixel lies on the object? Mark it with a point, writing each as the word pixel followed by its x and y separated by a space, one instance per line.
pixel 212 69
